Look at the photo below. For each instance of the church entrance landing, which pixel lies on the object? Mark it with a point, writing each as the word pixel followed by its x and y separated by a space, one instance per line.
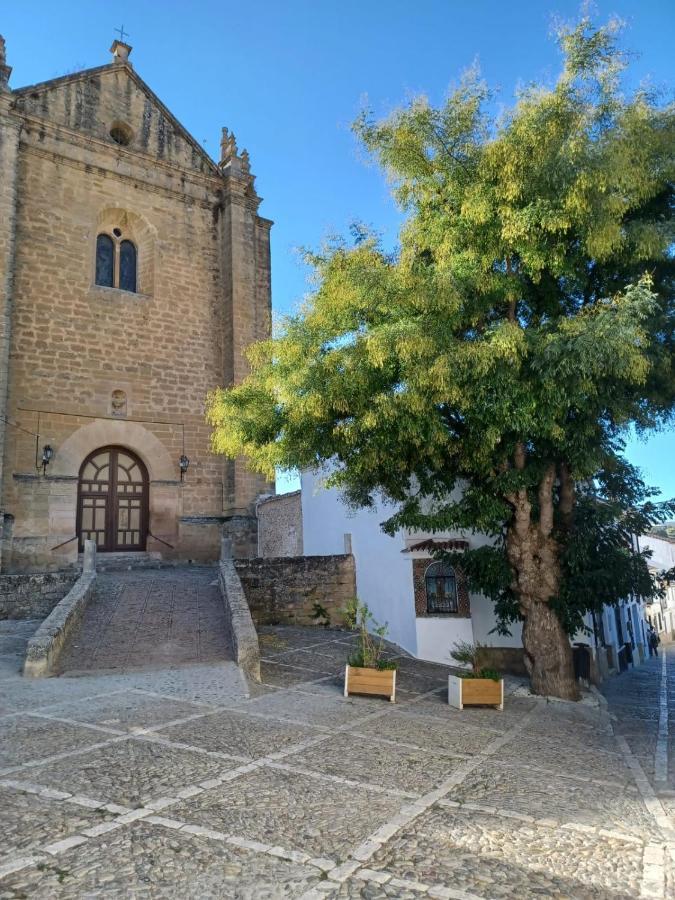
pixel 158 618
pixel 112 500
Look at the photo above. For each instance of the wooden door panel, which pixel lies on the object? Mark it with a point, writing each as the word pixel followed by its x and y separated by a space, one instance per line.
pixel 113 500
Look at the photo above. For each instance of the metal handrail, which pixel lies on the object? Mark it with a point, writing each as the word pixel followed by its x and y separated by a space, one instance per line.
pixel 74 538
pixel 166 543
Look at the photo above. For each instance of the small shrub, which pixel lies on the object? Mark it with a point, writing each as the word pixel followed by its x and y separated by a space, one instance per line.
pixel 493 674
pixel 468 654
pixel 369 654
pixel 320 612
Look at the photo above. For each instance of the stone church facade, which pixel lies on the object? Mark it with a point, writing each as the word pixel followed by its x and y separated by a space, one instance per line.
pixel 134 271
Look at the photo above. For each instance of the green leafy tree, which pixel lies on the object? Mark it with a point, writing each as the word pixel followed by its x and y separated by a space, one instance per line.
pixel 490 366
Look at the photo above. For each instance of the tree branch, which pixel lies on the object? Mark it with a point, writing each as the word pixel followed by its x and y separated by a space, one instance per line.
pixel 546 501
pixel 567 497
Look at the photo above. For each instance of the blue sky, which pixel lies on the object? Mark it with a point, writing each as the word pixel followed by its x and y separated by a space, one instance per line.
pixel 289 78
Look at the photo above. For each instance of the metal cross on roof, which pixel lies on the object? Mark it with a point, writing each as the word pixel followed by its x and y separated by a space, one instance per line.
pixel 122 33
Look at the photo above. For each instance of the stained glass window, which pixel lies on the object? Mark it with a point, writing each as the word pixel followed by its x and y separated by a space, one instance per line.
pixel 127 266
pixel 105 260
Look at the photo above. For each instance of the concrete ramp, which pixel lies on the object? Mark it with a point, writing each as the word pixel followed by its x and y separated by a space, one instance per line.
pixel 149 619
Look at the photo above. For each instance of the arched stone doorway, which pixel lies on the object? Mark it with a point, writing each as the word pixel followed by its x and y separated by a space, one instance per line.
pixel 112 500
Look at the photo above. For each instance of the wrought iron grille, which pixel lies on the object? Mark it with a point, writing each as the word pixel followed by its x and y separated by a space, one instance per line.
pixel 441 589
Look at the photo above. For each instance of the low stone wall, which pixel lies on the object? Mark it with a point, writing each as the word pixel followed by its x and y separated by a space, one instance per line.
pixel 286 590
pixel 506 660
pixel 33 596
pixel 280 525
pixel 45 646
pixel 242 633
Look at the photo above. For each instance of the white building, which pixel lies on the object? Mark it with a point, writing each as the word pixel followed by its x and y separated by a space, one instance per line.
pixel 661 613
pixel 428 607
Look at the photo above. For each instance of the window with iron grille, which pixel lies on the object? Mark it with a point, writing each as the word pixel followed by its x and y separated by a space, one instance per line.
pixel 440 583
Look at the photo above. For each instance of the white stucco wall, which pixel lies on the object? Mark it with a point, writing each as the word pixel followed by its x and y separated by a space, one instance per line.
pixel 484 620
pixel 383 574
pixel 663 552
pixel 663 559
pixel 437 635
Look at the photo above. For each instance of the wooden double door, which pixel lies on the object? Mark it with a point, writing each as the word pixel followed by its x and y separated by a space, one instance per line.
pixel 112 500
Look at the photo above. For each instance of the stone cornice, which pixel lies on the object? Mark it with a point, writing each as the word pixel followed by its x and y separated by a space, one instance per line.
pixel 150 186
pixel 103 150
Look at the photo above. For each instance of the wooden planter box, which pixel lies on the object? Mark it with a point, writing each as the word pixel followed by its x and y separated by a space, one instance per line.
pixel 381 682
pixel 475 692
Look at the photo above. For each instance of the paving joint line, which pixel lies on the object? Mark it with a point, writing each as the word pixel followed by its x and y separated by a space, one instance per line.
pixel 310 646
pixel 661 750
pixel 653 869
pixel 407 814
pixel 550 824
pixel 67 754
pixel 38 709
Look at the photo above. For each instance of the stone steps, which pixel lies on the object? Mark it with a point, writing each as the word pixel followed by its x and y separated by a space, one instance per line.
pixel 128 562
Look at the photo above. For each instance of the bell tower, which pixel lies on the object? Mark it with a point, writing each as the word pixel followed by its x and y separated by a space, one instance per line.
pixel 10 128
pixel 245 262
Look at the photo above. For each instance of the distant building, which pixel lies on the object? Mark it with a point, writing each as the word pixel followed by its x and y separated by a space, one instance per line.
pixel 661 613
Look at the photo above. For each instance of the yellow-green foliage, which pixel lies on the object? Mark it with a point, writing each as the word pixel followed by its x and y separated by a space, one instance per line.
pixel 530 302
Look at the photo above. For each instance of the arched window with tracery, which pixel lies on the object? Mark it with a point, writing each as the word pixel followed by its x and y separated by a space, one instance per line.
pixel 440 582
pixel 116 261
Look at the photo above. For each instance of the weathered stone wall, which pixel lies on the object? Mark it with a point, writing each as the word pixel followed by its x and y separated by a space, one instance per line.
pixel 203 280
pixel 9 164
pixel 284 590
pixel 280 525
pixel 45 647
pixel 506 660
pixel 238 620
pixel 33 596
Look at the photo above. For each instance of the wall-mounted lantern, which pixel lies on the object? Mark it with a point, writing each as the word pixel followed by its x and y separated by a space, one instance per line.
pixel 183 464
pixel 47 455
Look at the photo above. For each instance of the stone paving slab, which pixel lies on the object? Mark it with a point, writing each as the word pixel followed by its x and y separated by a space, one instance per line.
pixel 295 811
pixel 283 675
pixel 145 861
pixel 492 857
pixel 320 664
pixel 557 758
pixel 288 789
pixel 540 794
pixel 435 706
pixel 350 755
pixel 30 821
pixel 129 772
pixel 327 709
pixel 44 738
pixel 275 640
pixel 437 737
pixel 239 734
pixel 127 711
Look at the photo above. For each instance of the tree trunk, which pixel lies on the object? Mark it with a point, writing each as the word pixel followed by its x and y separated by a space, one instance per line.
pixel 548 654
pixel 534 554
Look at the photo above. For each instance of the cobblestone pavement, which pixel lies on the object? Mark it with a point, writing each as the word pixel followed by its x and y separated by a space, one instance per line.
pixel 150 618
pixel 187 783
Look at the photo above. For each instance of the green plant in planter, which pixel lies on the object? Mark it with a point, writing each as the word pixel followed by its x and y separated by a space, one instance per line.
pixel 369 654
pixel 469 654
